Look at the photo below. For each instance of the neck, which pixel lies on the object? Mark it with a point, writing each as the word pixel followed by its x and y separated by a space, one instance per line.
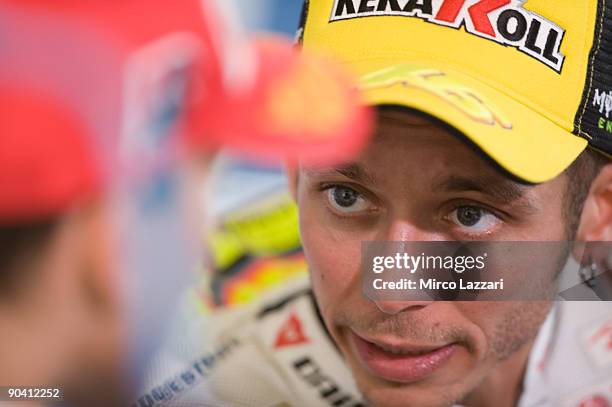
pixel 504 385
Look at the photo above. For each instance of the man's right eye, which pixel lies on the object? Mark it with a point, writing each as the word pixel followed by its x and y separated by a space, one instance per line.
pixel 346 200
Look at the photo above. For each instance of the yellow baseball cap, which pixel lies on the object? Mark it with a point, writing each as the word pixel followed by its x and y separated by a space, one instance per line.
pixel 528 82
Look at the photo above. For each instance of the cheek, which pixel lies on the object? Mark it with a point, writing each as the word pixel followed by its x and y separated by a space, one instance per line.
pixel 506 325
pixel 333 261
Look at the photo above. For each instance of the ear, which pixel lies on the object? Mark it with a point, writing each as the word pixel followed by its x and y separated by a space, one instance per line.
pixel 596 218
pixel 596 222
pixel 78 284
pixel 98 278
pixel 292 171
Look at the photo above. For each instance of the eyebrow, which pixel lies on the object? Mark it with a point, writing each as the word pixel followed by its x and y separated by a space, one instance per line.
pixel 352 171
pixel 502 190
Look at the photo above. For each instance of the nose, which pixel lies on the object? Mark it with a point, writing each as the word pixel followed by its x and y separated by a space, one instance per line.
pixel 401 230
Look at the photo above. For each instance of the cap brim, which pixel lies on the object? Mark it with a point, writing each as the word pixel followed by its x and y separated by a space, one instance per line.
pixel 300 106
pixel 523 142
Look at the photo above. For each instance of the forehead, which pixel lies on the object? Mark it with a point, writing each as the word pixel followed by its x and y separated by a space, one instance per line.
pixel 414 153
pixel 421 145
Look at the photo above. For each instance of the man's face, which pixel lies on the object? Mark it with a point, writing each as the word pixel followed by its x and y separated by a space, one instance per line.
pixel 418 182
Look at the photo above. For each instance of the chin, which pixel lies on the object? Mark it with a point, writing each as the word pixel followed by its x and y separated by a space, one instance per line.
pixel 379 393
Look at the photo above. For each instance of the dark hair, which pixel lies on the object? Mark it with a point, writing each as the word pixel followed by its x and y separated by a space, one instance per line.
pixel 580 176
pixel 20 243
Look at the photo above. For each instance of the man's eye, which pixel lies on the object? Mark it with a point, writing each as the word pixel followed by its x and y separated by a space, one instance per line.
pixel 345 199
pixel 474 219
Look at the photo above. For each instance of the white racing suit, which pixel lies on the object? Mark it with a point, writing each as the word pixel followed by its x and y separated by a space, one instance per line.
pixel 277 353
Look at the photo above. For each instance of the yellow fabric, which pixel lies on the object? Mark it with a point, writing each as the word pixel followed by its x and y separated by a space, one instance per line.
pixel 538 102
pixel 268 227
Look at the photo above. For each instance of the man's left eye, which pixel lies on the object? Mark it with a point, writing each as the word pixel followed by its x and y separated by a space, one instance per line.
pixel 474 219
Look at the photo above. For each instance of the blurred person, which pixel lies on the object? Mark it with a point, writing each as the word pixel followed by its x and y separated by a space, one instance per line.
pixel 253 239
pixel 493 125
pixel 109 112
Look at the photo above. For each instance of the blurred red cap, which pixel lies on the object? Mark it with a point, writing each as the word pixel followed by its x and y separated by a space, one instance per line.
pixel 92 87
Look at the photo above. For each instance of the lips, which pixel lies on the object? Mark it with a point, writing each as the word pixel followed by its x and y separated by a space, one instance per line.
pixel 401 363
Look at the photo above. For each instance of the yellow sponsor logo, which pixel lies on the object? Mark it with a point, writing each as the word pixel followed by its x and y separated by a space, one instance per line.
pixel 438 83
